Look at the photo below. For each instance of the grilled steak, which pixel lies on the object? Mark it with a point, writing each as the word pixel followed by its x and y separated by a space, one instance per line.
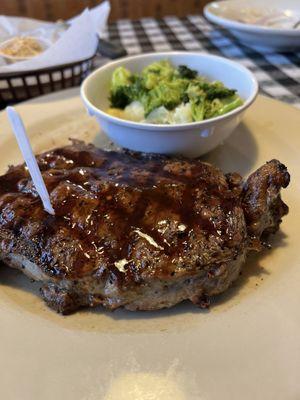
pixel 132 230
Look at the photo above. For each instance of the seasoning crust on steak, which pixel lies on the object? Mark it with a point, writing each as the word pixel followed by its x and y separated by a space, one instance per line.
pixel 132 230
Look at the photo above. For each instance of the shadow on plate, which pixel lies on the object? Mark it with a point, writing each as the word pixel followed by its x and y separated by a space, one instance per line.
pixel 237 154
pixel 251 271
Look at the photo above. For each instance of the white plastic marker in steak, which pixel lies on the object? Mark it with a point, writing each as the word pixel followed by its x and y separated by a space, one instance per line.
pixel 25 147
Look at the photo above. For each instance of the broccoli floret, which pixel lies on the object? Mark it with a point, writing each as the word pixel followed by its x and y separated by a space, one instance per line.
pixel 212 108
pixel 219 107
pixel 156 72
pixel 187 73
pixel 166 94
pixel 185 98
pixel 120 98
pixel 137 89
pixel 120 88
pixel 194 90
pixel 216 90
pixel 124 95
pixel 198 108
pixel 120 77
pixel 219 93
pixel 226 105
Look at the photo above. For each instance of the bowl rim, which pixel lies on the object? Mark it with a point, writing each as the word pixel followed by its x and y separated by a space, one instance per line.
pixel 170 127
pixel 241 26
pixel 42 40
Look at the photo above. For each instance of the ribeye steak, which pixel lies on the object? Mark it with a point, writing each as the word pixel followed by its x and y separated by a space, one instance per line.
pixel 132 230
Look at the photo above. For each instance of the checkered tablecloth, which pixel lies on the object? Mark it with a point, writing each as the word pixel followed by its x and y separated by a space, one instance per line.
pixel 278 74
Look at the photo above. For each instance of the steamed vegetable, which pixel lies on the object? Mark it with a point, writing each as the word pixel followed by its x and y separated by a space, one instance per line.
pixel 166 94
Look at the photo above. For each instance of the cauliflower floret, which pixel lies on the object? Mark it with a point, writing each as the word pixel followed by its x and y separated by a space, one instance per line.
pixel 182 114
pixel 159 115
pixel 134 112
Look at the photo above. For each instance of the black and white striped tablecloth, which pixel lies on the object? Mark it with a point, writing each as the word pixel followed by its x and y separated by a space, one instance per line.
pixel 278 74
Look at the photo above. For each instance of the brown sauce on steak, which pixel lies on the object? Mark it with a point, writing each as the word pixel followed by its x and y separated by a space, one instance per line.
pixel 108 203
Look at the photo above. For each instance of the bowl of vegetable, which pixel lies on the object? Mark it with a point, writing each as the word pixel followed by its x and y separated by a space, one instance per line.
pixel 169 103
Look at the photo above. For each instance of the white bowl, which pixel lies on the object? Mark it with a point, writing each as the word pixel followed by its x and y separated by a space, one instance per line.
pixel 259 35
pixel 192 139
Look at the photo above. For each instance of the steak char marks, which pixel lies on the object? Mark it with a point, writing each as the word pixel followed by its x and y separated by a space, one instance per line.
pixel 132 230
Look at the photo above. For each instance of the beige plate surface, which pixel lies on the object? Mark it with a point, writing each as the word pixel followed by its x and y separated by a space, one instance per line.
pixel 246 347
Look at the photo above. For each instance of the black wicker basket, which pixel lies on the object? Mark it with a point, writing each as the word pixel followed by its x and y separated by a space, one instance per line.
pixel 20 86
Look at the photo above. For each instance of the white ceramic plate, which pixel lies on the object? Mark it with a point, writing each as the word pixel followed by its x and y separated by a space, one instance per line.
pixel 264 25
pixel 246 347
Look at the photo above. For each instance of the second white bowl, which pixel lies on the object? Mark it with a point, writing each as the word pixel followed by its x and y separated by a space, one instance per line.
pixel 12 59
pixel 192 139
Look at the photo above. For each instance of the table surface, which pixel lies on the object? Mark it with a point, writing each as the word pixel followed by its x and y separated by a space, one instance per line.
pixel 278 74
